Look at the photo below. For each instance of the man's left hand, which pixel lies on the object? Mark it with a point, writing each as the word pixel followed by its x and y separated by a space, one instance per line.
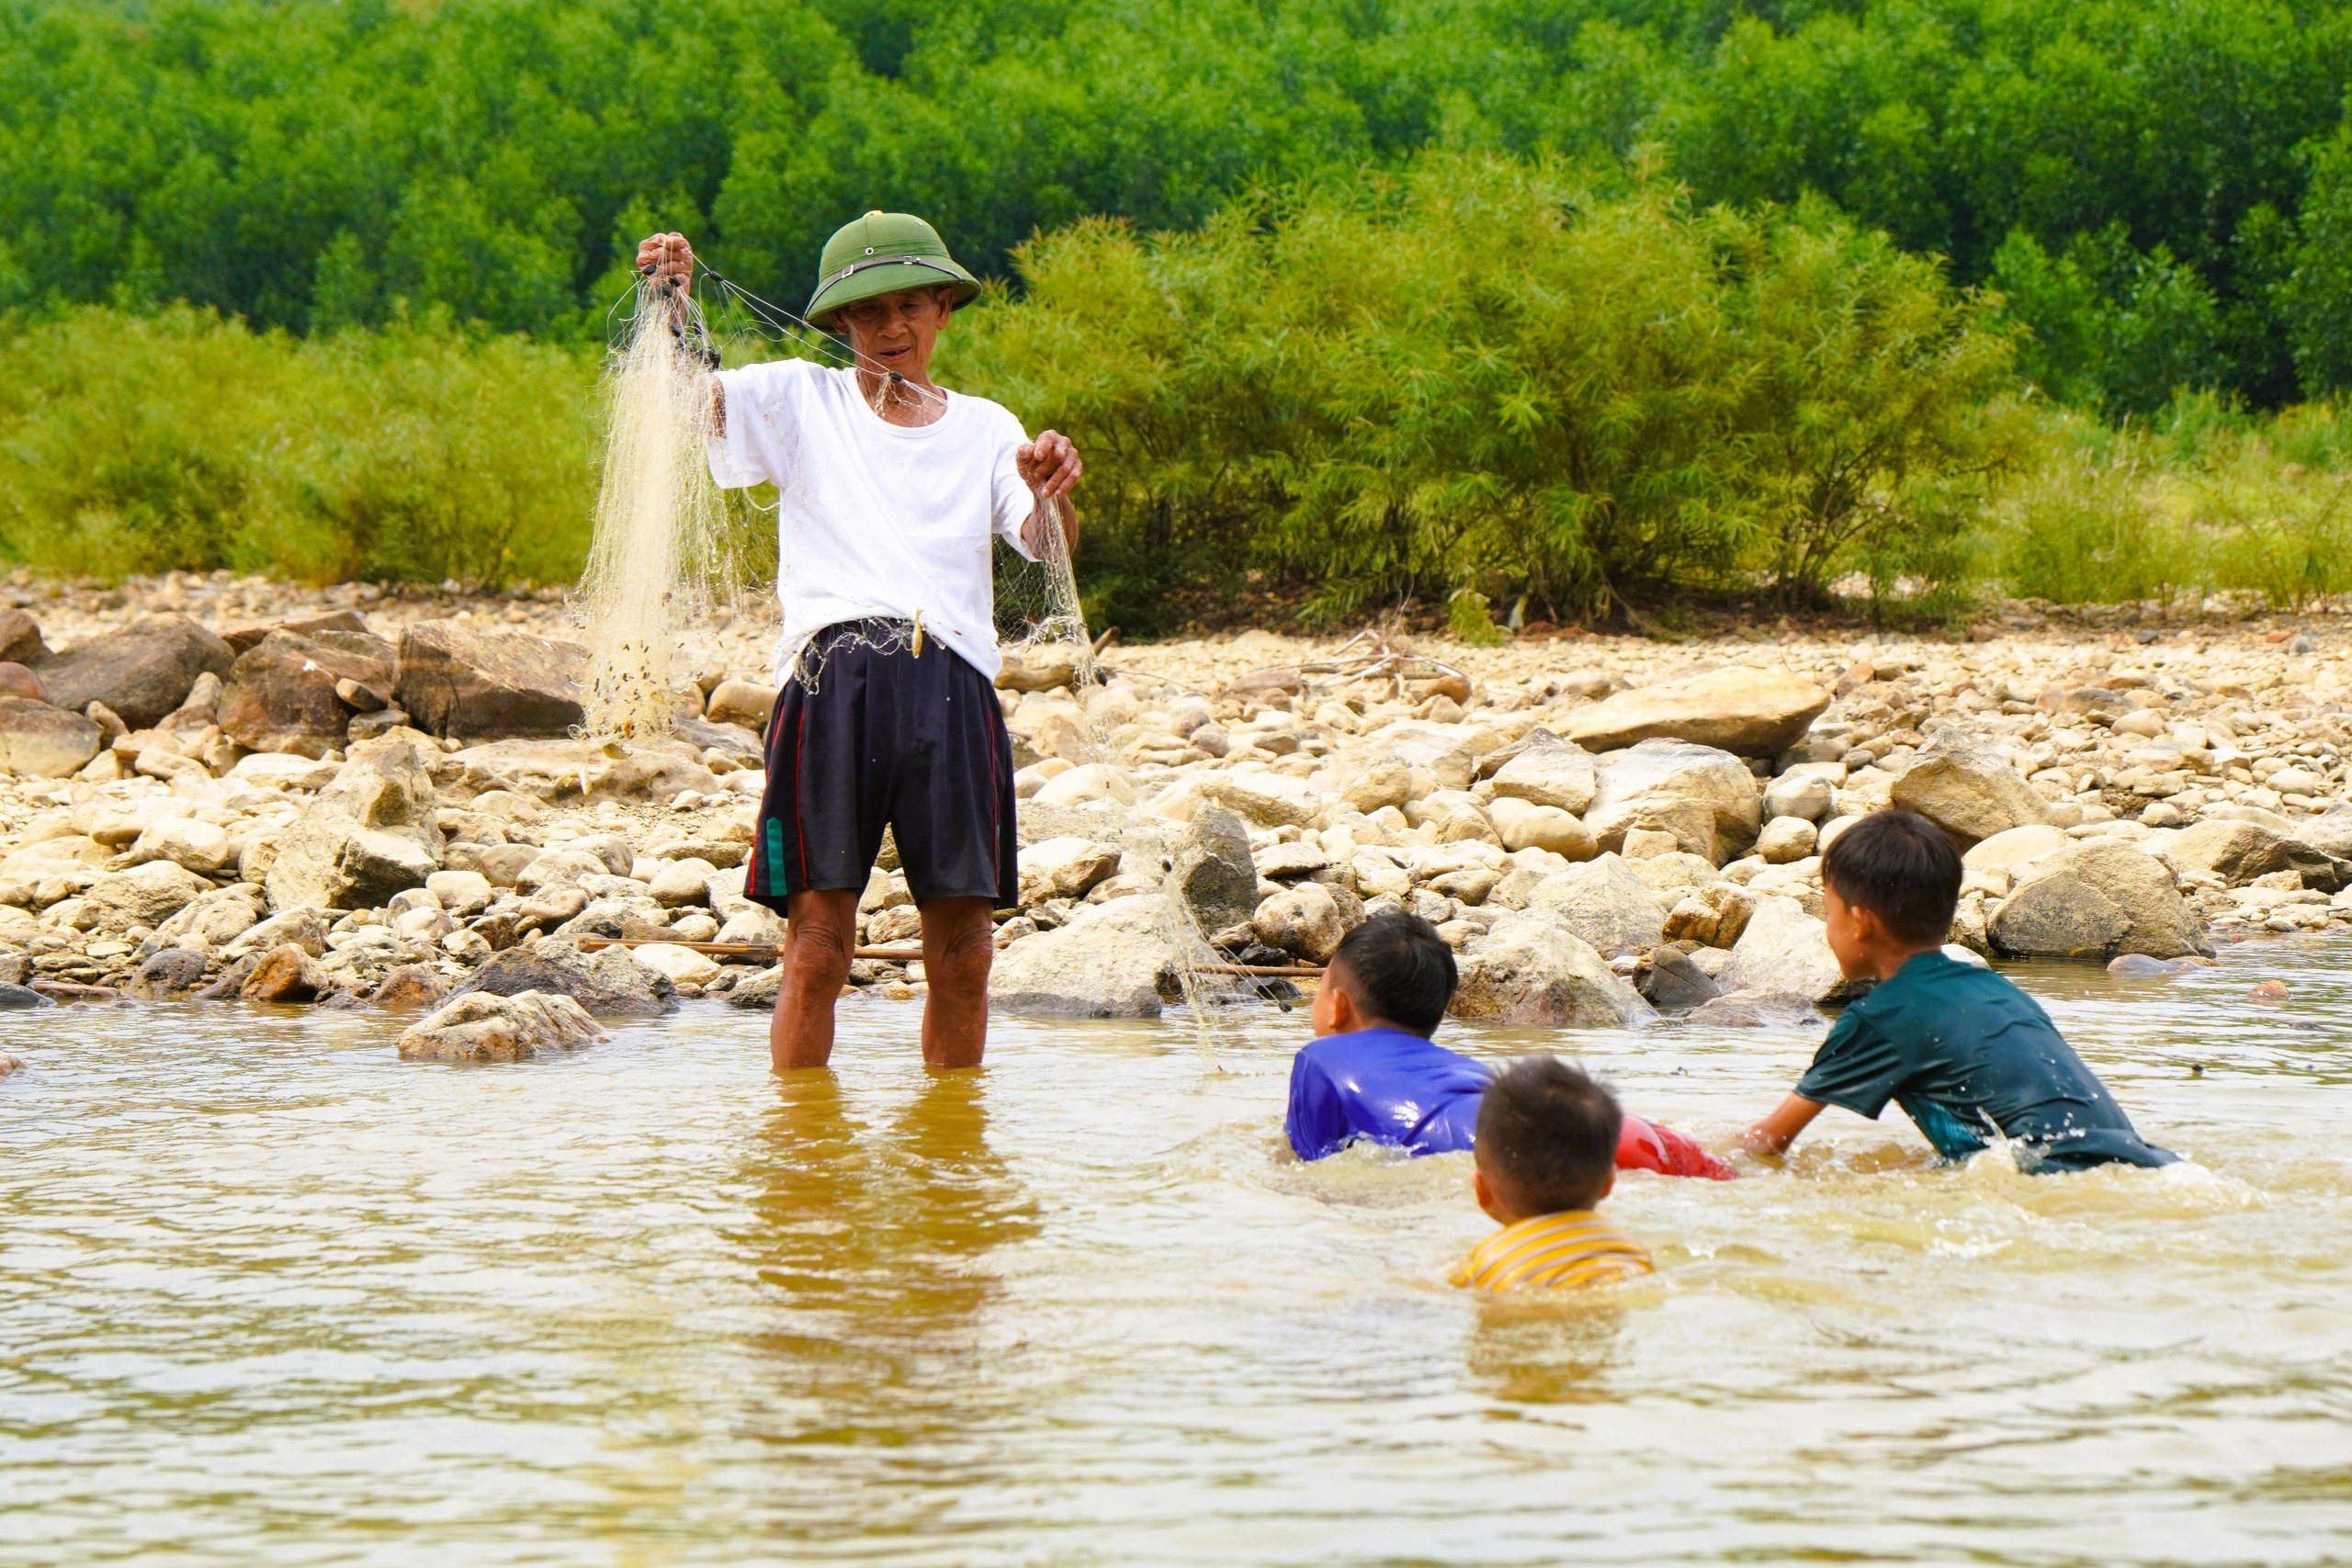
pixel 1049 465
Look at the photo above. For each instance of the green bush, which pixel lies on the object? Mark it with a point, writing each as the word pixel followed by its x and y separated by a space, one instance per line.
pixel 144 443
pixel 1495 376
pixel 2198 498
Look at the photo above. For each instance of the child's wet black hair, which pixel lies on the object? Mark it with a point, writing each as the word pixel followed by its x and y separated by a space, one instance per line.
pixel 1902 868
pixel 1398 969
pixel 1548 1132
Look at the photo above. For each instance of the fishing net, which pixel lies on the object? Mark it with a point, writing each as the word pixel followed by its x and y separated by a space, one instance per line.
pixel 660 561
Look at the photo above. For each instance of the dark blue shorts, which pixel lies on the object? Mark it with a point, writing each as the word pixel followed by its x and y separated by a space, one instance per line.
pixel 868 734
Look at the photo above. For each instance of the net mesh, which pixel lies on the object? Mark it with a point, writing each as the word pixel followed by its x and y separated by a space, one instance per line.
pixel 660 562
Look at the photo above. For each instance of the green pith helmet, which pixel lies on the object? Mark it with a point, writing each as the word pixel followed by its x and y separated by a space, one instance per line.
pixel 881 254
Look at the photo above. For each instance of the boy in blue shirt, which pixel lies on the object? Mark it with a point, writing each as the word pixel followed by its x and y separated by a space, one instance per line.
pixel 1373 1071
pixel 1968 1055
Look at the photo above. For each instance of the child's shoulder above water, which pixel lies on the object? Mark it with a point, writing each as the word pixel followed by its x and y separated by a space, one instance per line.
pixel 1546 1155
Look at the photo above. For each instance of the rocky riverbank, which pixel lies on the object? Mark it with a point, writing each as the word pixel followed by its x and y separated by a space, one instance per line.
pixel 224 788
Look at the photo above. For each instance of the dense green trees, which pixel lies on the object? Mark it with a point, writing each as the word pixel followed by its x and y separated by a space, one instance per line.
pixel 2161 184
pixel 1571 300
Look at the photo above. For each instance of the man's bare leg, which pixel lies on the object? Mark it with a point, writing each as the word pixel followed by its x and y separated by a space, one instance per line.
pixel 958 946
pixel 818 943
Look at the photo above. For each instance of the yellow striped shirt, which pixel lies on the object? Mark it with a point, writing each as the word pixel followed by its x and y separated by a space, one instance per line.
pixel 1567 1249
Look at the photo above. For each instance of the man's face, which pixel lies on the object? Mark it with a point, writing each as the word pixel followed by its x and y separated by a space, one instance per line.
pixel 896 332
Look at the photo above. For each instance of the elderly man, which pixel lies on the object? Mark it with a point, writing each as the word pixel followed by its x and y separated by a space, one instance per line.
pixel 891 488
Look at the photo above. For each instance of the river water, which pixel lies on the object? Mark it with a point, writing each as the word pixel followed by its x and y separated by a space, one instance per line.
pixel 272 1296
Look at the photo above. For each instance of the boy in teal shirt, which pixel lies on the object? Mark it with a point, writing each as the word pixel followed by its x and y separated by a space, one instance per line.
pixel 1968 1055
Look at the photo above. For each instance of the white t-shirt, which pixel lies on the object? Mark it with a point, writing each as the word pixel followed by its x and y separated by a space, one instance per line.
pixel 877 519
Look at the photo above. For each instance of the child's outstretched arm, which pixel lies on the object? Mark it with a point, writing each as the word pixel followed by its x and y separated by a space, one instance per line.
pixel 1773 1135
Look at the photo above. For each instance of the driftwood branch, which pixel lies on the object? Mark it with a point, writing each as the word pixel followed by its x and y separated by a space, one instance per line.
pixel 769 953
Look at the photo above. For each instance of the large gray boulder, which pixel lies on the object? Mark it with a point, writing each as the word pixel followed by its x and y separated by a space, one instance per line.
pixel 759 993
pixel 1113 960
pixel 39 741
pixel 1782 951
pixel 202 847
pixel 1806 795
pixel 2237 853
pixel 1706 797
pixel 1757 712
pixel 1304 921
pixel 215 918
pixel 2096 900
pixel 1559 774
pixel 1715 915
pixel 744 703
pixel 609 982
pixel 729 739
pixel 1670 982
pixel 1605 902
pixel 454 681
pixel 1964 786
pixel 657 774
pixel 1522 825
pixel 1756 1010
pixel 368 835
pixel 20 638
pixel 1065 868
pixel 1380 781
pixel 144 895
pixel 40 874
pixel 173 972
pixel 552 770
pixel 241 638
pixel 2330 833
pixel 1272 800
pixel 484 1027
pixel 1531 968
pixel 141 672
pixel 284 974
pixel 18 998
pixel 281 695
pixel 1213 872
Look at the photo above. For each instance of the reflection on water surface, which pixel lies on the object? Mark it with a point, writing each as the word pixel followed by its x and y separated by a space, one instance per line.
pixel 272 1296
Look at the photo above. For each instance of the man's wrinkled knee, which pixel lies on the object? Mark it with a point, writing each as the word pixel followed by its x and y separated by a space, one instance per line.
pixel 964 958
pixel 818 952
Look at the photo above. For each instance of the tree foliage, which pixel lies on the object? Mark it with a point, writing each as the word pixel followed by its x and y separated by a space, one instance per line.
pixel 1491 376
pixel 2160 183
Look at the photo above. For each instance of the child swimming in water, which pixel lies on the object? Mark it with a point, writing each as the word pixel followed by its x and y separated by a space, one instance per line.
pixel 1967 1055
pixel 1373 1071
pixel 1547 1139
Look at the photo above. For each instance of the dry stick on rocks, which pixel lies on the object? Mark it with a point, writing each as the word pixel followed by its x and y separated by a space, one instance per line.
pixel 1385 659
pixel 769 953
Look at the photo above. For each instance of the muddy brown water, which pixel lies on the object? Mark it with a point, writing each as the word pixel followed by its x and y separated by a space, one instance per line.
pixel 272 1296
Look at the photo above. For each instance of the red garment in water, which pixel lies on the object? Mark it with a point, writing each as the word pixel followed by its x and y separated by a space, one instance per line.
pixel 1645 1145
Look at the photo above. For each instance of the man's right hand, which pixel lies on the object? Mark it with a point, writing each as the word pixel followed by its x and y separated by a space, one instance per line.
pixel 669 257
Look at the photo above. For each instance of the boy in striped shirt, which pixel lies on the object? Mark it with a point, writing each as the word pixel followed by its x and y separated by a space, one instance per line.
pixel 1546 1154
